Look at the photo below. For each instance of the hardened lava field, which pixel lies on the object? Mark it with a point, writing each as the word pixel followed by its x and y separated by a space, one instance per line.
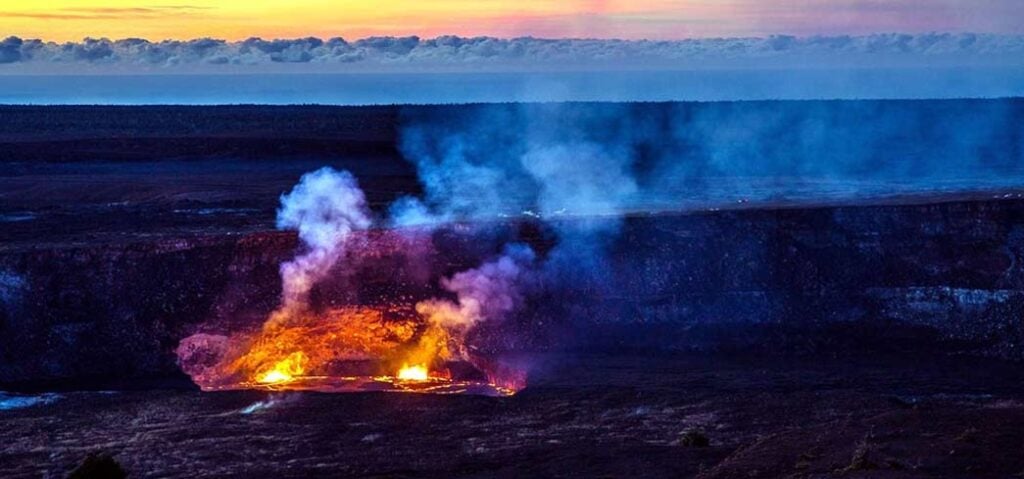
pixel 620 415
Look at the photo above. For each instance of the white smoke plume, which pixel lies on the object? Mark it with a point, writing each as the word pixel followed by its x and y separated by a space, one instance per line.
pixel 325 207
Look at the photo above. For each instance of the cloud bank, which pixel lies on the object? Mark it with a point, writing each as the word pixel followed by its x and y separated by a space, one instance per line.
pixel 486 53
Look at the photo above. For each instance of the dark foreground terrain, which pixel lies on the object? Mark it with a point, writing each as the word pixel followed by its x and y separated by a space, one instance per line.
pixel 839 324
pixel 606 416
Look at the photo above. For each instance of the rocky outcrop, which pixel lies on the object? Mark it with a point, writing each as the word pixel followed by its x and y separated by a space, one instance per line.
pixel 894 276
pixel 118 310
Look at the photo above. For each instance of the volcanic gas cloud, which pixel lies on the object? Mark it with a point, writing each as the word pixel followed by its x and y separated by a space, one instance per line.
pixel 355 347
pixel 477 170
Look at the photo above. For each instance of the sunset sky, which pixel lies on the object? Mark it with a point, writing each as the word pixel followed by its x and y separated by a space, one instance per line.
pixel 66 20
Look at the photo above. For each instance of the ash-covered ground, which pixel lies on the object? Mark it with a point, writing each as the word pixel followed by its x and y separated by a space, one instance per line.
pixel 584 416
pixel 823 289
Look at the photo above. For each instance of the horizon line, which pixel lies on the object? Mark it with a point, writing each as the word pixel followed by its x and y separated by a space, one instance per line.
pixel 520 37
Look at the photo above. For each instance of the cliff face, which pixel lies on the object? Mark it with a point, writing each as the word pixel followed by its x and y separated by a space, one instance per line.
pixel 943 276
pixel 117 310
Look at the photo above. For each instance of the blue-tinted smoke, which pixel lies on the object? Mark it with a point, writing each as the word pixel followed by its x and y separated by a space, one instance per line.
pixel 581 168
pixel 546 162
pixel 609 159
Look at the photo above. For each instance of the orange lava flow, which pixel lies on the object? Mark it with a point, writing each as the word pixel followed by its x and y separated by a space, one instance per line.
pixel 305 343
pixel 284 370
pixel 418 372
pixel 345 349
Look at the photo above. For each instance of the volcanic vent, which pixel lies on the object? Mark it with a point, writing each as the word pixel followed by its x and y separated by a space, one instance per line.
pixel 322 337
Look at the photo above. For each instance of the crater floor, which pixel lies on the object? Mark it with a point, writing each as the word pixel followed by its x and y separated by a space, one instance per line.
pixel 582 416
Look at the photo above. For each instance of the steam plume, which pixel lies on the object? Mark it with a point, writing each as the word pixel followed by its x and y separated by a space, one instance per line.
pixel 489 292
pixel 325 208
pixel 569 166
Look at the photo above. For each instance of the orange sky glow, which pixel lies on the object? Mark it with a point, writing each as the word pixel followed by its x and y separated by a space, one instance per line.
pixel 67 20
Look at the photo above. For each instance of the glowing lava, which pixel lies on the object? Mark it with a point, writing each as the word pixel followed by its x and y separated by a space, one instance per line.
pixel 285 370
pixel 342 350
pixel 417 372
pixel 308 343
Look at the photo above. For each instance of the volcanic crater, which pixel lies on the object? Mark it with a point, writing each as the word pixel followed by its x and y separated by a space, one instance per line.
pixel 761 327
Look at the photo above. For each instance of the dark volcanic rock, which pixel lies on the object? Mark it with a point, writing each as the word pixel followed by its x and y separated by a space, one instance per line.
pixel 932 277
pixel 116 311
pixel 586 416
pixel 98 466
pixel 904 275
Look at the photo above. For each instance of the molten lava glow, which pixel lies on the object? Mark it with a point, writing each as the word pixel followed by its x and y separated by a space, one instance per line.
pixel 273 377
pixel 308 343
pixel 417 372
pixel 345 349
pixel 284 370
